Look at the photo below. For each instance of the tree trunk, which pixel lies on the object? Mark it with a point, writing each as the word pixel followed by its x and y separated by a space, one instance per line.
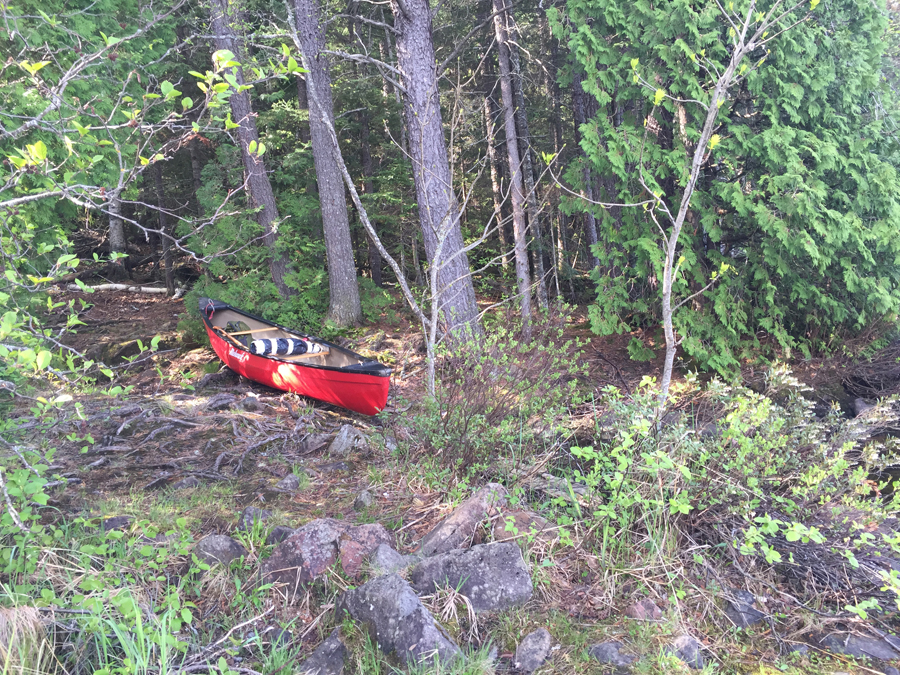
pixel 438 209
pixel 587 191
pixel 365 159
pixel 517 193
pixel 524 138
pixel 165 237
pixel 344 306
pixel 260 189
pixel 196 172
pixel 495 179
pixel 303 104
pixel 116 269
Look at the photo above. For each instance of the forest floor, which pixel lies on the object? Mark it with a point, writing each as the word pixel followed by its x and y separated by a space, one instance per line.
pixel 187 446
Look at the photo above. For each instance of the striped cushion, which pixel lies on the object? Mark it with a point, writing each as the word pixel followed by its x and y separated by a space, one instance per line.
pixel 280 347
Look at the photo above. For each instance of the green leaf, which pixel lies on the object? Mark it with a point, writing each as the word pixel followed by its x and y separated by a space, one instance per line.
pixel 660 95
pixel 186 103
pixel 714 141
pixel 43 359
pixel 813 4
pixel 261 149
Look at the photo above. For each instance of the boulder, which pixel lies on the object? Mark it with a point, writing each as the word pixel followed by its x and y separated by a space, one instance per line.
pixel 305 554
pixel 397 620
pixel 289 483
pixel 457 529
pixel 874 647
pixel 741 611
pixel 358 543
pixel 608 653
pixel 644 610
pixel 327 659
pixel 364 500
pixel 385 560
pixel 278 534
pixel 492 576
pixel 218 548
pixel 309 551
pixel 687 649
pixel 533 651
pixel 346 440
pixel 524 526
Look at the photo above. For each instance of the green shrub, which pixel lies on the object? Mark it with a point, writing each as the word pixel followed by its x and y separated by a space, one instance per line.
pixel 764 477
pixel 500 394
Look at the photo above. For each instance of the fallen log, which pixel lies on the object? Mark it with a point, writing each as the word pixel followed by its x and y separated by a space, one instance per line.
pixel 125 287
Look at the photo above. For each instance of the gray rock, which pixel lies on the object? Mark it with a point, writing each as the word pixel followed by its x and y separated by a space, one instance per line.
pixel 644 610
pixel 310 550
pixel 859 646
pixel 533 651
pixel 457 529
pixel 252 515
pixel 328 658
pixel 364 500
pixel 278 534
pixel 289 483
pixel 186 483
pixel 741 611
pixel 608 653
pixel 346 440
pixel 385 560
pixel 890 670
pixel 492 576
pixel 251 404
pixel 798 649
pixel 116 523
pixel 687 649
pixel 397 620
pixel 218 548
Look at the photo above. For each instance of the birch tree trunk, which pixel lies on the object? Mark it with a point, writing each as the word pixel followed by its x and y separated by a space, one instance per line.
pixel 260 194
pixel 517 194
pixel 344 306
pixel 438 208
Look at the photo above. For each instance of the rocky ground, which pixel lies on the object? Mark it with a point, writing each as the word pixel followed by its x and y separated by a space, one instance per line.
pixel 319 541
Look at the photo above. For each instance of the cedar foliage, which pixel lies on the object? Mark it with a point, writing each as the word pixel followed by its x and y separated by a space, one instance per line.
pixel 798 198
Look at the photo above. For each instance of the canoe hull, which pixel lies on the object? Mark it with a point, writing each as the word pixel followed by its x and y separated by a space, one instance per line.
pixel 360 392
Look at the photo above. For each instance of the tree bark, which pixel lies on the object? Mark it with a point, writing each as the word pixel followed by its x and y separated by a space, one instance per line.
pixel 303 104
pixel 260 195
pixel 196 172
pixel 587 191
pixel 344 307
pixel 165 236
pixel 438 208
pixel 517 193
pixel 365 159
pixel 117 243
pixel 524 138
pixel 490 133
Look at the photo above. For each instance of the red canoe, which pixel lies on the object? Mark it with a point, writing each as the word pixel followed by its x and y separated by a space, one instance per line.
pixel 334 374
